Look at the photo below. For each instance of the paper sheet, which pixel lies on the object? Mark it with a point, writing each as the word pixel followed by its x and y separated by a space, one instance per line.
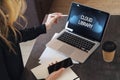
pixel 42 72
pixel 49 55
pixel 26 48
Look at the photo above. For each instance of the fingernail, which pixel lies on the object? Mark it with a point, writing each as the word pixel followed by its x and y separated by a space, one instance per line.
pixel 63 69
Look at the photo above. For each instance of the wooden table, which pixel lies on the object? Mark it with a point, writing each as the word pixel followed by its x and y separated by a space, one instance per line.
pixel 94 68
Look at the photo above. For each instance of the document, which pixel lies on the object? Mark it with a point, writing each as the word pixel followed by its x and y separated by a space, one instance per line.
pixel 42 72
pixel 50 56
pixel 26 48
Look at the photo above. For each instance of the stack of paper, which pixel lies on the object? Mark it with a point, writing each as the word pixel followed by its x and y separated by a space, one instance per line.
pixel 50 56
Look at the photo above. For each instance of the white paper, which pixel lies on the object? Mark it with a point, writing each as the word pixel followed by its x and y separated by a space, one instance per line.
pixel 26 48
pixel 50 55
pixel 42 72
pixel 68 74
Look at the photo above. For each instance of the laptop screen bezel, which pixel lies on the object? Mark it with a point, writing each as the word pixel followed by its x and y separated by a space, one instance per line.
pixel 106 23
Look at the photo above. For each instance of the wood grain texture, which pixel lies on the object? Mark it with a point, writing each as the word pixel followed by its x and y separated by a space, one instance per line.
pixel 111 6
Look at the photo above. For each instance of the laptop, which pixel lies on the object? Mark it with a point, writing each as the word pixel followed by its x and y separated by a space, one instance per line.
pixel 83 32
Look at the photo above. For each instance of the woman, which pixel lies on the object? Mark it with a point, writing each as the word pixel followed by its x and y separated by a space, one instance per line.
pixel 11 64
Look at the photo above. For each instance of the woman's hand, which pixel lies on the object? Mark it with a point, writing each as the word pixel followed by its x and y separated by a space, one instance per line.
pixel 55 74
pixel 52 18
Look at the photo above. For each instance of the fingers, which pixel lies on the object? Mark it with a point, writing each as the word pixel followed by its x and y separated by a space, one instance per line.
pixel 60 71
pixel 52 63
pixel 55 16
pixel 56 74
pixel 52 18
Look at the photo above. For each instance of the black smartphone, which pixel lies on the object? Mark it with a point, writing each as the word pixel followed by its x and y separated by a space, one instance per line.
pixel 62 64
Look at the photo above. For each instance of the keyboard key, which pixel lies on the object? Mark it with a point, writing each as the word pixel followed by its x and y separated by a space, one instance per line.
pixel 76 41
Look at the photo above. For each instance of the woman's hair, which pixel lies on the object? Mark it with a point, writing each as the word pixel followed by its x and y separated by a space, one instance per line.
pixel 10 11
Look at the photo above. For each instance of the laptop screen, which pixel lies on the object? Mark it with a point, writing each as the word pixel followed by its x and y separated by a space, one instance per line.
pixel 87 22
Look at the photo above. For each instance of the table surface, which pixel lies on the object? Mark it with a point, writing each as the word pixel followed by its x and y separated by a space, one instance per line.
pixel 94 67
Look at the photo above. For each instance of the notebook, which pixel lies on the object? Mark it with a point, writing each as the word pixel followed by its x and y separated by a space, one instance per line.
pixel 83 32
pixel 42 72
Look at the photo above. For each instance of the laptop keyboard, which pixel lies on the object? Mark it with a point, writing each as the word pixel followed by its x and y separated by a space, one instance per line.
pixel 76 41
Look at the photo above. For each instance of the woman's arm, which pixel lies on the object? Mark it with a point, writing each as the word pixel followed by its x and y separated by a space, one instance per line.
pixel 31 33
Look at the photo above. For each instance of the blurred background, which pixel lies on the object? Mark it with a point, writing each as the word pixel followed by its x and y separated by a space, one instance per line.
pixel 37 9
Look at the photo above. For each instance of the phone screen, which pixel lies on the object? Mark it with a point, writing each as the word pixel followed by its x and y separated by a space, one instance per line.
pixel 62 64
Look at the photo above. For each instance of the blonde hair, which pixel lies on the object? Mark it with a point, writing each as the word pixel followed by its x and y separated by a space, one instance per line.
pixel 10 11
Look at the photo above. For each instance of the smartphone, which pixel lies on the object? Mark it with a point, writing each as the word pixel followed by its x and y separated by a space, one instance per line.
pixel 62 64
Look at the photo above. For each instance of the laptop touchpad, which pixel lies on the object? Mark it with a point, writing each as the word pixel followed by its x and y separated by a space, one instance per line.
pixel 66 49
